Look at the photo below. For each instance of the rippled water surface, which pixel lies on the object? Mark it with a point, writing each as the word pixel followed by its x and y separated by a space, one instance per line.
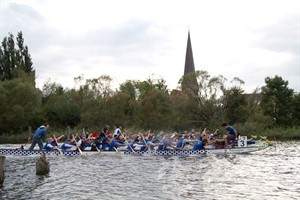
pixel 273 173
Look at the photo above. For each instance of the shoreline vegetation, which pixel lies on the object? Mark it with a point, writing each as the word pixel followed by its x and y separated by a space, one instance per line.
pixel 273 134
pixel 199 101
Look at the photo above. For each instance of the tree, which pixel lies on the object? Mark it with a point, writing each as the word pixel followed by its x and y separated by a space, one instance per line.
pixel 202 106
pixel 235 105
pixel 277 100
pixel 296 109
pixel 20 105
pixel 156 110
pixel 15 60
pixel 60 106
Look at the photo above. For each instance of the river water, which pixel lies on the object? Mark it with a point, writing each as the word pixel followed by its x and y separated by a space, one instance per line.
pixel 273 173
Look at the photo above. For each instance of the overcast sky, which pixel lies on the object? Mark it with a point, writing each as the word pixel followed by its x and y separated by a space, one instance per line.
pixel 138 39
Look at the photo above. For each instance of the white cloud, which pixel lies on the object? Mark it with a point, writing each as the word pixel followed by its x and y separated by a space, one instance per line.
pixel 135 39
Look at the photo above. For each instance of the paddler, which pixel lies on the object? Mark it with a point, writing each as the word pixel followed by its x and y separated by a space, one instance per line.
pixel 231 135
pixel 135 143
pixel 39 134
pixel 183 140
pixel 116 142
pixel 67 145
pixel 200 144
pixel 50 144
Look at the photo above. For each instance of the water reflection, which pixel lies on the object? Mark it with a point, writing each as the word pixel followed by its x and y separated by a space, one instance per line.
pixel 270 174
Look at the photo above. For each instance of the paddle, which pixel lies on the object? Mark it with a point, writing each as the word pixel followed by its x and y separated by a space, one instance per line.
pixel 128 144
pixel 98 149
pixel 28 142
pixel 116 149
pixel 145 142
pixel 77 145
pixel 60 152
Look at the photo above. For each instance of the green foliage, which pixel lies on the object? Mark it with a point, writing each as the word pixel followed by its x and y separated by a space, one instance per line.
pixel 202 106
pixel 277 100
pixel 282 133
pixel 20 105
pixel 155 110
pixel 15 58
pixel 235 105
pixel 60 107
pixel 296 109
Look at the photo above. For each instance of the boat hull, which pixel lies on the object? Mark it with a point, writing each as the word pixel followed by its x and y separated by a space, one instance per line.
pixel 18 152
pixel 196 152
pixel 243 150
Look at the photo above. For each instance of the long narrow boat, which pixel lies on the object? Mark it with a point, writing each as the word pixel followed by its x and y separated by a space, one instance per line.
pixel 237 150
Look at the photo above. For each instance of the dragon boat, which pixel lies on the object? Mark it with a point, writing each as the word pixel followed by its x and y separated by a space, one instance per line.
pixel 237 150
pixel 242 147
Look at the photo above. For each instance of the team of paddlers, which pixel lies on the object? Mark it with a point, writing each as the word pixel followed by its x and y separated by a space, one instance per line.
pixel 112 141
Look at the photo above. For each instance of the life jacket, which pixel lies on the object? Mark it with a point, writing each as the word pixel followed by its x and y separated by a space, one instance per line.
pixel 111 145
pixel 84 145
pixel 104 143
pixel 145 148
pixel 130 146
pixel 198 145
pixel 64 147
pixel 46 147
pixel 180 143
pixel 161 148
pixel 155 139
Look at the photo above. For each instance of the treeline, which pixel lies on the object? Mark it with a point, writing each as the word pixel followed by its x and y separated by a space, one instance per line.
pixel 146 104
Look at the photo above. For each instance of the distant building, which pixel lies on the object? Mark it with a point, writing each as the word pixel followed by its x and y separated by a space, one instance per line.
pixel 189 66
pixel 189 81
pixel 175 94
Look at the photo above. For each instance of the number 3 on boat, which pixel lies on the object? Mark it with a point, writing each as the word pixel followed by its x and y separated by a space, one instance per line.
pixel 242 142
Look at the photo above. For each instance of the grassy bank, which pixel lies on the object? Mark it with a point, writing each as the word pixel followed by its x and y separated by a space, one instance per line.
pixel 283 133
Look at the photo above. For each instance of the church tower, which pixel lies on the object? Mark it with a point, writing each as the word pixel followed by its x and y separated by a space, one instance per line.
pixel 189 59
pixel 189 81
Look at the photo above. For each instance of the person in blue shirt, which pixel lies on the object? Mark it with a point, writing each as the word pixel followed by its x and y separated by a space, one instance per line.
pixel 135 143
pixel 182 141
pixel 115 143
pixel 200 144
pixel 84 143
pixel 104 143
pixel 68 145
pixel 38 136
pixel 50 144
pixel 231 134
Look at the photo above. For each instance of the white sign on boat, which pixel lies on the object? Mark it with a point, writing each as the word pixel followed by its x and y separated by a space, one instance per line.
pixel 242 142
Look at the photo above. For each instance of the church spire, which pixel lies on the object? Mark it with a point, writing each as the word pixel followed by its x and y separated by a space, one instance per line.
pixel 189 59
pixel 189 82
